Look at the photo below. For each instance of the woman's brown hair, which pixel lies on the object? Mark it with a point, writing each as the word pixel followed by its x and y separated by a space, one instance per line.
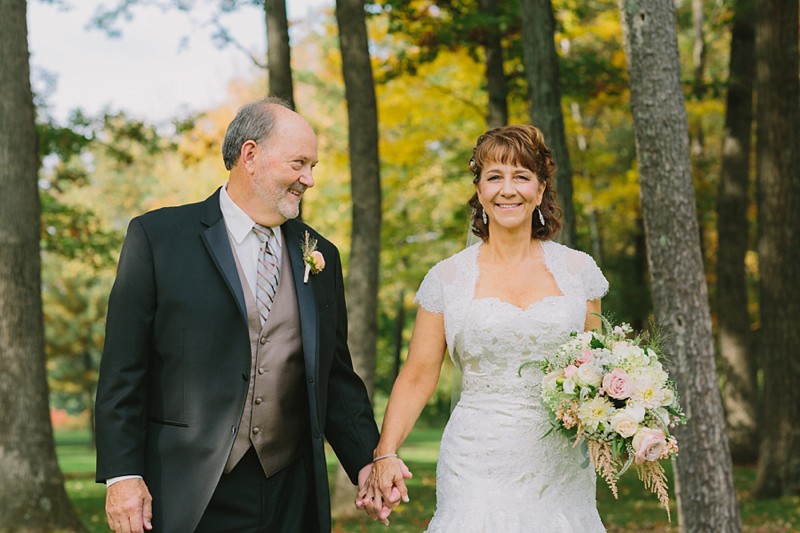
pixel 522 145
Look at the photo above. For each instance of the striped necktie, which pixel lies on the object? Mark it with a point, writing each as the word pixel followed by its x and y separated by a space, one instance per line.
pixel 268 272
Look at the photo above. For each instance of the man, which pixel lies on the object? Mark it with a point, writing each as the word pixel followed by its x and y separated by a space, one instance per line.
pixel 226 356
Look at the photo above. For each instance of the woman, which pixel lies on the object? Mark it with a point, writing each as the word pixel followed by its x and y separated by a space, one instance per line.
pixel 510 299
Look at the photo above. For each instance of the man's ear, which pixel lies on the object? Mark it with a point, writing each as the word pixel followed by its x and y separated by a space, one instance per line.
pixel 247 155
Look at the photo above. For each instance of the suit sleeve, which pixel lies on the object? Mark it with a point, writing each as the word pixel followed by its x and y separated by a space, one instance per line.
pixel 350 423
pixel 122 390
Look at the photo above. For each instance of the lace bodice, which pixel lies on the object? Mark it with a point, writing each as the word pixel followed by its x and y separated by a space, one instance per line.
pixel 495 471
pixel 449 289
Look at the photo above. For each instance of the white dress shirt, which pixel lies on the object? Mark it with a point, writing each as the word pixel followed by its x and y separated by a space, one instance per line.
pixel 246 244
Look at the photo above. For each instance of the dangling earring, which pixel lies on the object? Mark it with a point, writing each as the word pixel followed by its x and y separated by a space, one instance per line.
pixel 541 216
pixel 484 217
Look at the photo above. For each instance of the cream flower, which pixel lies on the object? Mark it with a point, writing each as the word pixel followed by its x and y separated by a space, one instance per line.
pixel 626 421
pixel 594 412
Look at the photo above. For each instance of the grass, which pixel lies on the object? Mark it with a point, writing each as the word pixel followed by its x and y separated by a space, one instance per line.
pixel 635 511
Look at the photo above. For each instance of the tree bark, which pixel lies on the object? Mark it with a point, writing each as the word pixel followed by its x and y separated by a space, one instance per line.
pixel 541 70
pixel 279 62
pixel 496 84
pixel 703 477
pixel 777 163
pixel 365 185
pixel 32 495
pixel 739 390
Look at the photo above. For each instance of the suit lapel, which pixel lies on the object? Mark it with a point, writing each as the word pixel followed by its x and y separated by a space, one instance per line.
pixel 215 237
pixel 309 321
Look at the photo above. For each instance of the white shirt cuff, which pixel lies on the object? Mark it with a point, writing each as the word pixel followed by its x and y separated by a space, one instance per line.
pixel 112 480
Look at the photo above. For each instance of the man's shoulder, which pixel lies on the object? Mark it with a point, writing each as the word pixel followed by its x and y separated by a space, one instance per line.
pixel 172 215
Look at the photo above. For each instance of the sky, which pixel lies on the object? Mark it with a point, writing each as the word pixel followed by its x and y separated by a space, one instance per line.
pixel 162 65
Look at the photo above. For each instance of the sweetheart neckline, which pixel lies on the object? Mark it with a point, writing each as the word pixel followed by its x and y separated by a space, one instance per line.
pixel 518 308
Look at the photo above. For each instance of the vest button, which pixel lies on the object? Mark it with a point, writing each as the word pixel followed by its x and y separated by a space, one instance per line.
pixel 263 340
pixel 255 431
pixel 258 401
pixel 261 370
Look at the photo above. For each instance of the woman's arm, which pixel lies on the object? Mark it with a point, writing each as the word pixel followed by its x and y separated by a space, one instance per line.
pixel 413 388
pixel 592 316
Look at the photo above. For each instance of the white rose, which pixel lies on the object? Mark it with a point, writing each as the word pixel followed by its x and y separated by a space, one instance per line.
pixel 626 421
pixel 588 375
pixel 550 382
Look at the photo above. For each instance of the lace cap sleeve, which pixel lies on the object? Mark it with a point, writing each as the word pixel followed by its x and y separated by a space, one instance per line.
pixel 430 295
pixel 595 284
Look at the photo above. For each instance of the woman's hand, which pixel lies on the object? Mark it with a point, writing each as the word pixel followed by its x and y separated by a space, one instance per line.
pixel 382 488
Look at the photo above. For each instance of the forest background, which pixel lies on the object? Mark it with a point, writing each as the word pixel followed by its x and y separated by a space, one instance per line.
pixel 99 169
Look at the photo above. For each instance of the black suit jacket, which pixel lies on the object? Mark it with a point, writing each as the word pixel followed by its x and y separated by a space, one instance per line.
pixel 176 362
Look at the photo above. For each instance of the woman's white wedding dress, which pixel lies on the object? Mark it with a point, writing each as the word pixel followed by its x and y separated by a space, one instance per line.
pixel 497 472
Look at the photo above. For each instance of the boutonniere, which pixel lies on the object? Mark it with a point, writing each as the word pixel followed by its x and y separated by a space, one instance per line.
pixel 312 257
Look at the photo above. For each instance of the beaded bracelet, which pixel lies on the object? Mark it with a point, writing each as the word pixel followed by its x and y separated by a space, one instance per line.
pixel 387 456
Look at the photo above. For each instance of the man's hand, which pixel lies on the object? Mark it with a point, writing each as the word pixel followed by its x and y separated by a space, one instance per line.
pixel 129 506
pixel 376 503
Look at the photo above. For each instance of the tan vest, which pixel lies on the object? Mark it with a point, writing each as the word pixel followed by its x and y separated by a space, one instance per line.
pixel 276 417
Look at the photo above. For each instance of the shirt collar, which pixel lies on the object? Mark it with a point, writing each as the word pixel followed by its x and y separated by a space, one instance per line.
pixel 238 222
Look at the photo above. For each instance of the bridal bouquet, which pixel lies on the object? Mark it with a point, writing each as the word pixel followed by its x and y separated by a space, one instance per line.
pixel 610 390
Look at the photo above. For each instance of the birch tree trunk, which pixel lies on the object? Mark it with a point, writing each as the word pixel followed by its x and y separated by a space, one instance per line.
pixel 32 495
pixel 279 61
pixel 365 185
pixel 778 175
pixel 703 477
pixel 739 390
pixel 541 71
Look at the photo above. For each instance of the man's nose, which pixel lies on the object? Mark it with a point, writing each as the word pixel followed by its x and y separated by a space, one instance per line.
pixel 307 179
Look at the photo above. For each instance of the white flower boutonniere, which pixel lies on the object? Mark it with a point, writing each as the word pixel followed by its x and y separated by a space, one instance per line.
pixel 312 257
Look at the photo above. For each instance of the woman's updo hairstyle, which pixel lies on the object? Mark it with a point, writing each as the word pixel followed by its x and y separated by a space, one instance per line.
pixel 521 145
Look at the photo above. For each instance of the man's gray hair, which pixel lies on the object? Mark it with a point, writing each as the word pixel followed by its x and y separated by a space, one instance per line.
pixel 253 122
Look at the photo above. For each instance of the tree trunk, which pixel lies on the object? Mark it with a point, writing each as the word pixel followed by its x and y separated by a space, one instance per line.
pixel 698 72
pixel 541 70
pixel 279 61
pixel 365 185
pixel 703 477
pixel 32 495
pixel 778 160
pixel 739 390
pixel 497 87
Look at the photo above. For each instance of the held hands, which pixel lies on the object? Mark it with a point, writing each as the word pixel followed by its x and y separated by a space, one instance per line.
pixel 381 487
pixel 129 506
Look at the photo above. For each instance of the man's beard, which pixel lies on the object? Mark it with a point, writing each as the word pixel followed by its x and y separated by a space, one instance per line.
pixel 282 201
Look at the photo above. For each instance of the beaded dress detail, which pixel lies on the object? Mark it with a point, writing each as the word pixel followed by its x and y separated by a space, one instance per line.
pixel 496 471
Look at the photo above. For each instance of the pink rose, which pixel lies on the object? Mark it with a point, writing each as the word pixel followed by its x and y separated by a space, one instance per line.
pixel 570 371
pixel 649 443
pixel 585 357
pixel 319 260
pixel 618 384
